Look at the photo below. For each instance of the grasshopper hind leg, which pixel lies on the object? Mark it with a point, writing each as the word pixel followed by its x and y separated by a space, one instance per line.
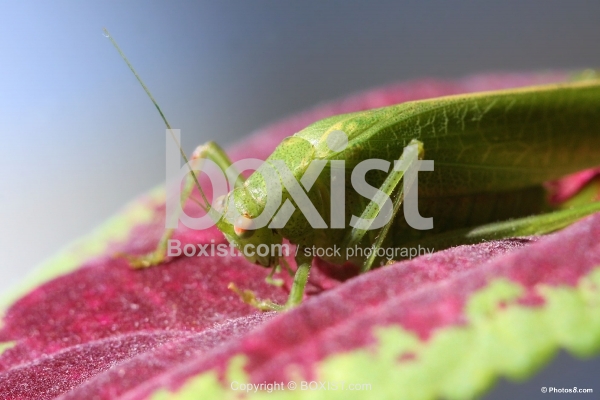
pixel 521 227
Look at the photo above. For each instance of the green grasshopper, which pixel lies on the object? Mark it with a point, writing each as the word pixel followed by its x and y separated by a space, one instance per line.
pixel 492 152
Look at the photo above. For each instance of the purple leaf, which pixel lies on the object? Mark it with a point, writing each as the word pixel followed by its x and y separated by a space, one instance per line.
pixel 107 331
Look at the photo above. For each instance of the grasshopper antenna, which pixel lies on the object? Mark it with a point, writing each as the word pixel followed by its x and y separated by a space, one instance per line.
pixel 112 40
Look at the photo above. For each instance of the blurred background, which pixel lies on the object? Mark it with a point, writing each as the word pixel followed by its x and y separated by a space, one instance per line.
pixel 79 137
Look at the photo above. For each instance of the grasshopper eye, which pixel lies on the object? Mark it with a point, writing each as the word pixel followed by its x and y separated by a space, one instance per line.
pixel 243 227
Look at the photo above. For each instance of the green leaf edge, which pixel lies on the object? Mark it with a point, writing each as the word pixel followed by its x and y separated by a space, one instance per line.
pixel 7 345
pixel 115 230
pixel 501 338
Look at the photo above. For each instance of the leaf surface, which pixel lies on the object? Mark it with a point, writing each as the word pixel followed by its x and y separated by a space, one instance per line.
pixel 448 324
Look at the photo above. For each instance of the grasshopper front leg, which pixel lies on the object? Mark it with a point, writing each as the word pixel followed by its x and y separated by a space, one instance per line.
pixel 211 151
pixel 296 292
pixel 300 280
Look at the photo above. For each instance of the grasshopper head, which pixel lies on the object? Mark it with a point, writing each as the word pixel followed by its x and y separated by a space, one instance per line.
pixel 261 246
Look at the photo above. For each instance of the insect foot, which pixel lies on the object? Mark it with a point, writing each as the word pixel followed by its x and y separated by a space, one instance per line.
pixel 144 261
pixel 250 298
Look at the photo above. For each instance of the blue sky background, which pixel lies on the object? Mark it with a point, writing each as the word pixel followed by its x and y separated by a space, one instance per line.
pixel 79 138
